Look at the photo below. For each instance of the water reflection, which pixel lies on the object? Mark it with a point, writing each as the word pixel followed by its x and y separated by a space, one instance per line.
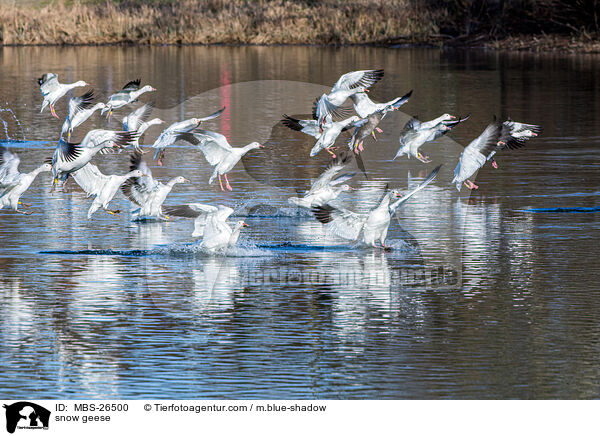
pixel 477 299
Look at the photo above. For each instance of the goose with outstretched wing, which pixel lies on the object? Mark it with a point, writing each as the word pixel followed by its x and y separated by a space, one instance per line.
pixel 371 227
pixel 80 109
pixel 147 193
pixel 137 121
pixel 172 133
pixel 130 93
pixel 13 183
pixel 52 90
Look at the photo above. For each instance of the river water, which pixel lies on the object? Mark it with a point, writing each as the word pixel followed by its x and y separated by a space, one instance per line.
pixel 489 294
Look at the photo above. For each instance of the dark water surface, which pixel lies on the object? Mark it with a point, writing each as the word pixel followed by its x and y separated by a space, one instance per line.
pixel 488 295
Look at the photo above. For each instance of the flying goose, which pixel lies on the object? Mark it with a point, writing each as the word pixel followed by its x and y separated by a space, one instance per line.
pixel 367 228
pixel 13 183
pixel 414 135
pixel 218 152
pixel 102 187
pixel 514 135
pixel 171 134
pixel 327 187
pixel 346 86
pixel 130 92
pixel 146 192
pixel 364 106
pixel 80 109
pixel 137 121
pixel 69 157
pixel 52 90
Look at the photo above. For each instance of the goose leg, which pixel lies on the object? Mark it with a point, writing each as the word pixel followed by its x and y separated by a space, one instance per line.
pixel 378 130
pixel 495 164
pixel 422 158
pixel 227 185
pixel 221 183
pixel 161 155
pixel 471 185
pixel 53 111
pixel 360 146
pixel 330 152
pixel 25 204
pixel 112 212
pixel 24 212
pixel 373 133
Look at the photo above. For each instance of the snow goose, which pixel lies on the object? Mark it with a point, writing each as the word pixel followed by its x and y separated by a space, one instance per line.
pixel 102 187
pixel 69 157
pixel 346 86
pixel 80 109
pixel 367 228
pixel 218 235
pixel 130 92
pixel 414 135
pixel 146 192
pixel 201 213
pixel 14 183
pixel 514 135
pixel 137 121
pixel 218 152
pixel 364 128
pixel 474 156
pixel 171 134
pixel 52 90
pixel 326 134
pixel 364 106
pixel 325 188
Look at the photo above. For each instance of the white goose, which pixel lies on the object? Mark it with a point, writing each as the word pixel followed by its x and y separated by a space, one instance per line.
pixel 346 86
pixel 69 157
pixel 514 135
pixel 52 90
pixel 130 92
pixel 101 186
pixel 364 106
pixel 414 135
pixel 218 152
pixel 325 189
pixel 80 109
pixel 474 156
pixel 367 228
pixel 325 134
pixel 202 214
pixel 137 121
pixel 171 134
pixel 146 192
pixel 14 183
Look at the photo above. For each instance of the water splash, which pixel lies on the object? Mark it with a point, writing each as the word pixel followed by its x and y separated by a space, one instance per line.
pixel 8 110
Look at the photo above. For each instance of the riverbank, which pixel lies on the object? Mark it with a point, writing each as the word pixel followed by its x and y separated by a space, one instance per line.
pixel 267 22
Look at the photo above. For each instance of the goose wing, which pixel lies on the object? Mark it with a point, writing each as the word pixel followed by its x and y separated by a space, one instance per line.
pixel 90 179
pixel 310 127
pixel 9 167
pixel 514 134
pixel 341 222
pixel 135 119
pixel 327 178
pixel 84 101
pixel 214 146
pixel 364 78
pixel 133 85
pixel 139 189
pixel 395 205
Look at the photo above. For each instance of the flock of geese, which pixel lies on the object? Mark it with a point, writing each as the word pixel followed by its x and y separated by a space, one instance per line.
pixel 330 117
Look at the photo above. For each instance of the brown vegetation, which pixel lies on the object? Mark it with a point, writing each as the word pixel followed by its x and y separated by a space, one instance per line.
pixel 520 24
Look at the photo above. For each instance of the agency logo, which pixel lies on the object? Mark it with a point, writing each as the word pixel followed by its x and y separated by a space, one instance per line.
pixel 26 415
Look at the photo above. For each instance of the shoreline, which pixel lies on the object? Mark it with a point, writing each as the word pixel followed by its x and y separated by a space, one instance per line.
pixel 322 23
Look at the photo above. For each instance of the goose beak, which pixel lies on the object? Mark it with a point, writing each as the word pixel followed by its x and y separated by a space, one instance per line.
pixel 398 195
pixel 261 146
pixel 245 225
pixel 186 181
pixel 152 89
pixel 452 117
pixel 365 90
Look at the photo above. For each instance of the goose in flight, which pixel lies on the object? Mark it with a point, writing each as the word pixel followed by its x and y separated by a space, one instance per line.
pixel 365 127
pixel 414 135
pixel 172 133
pixel 137 121
pixel 474 156
pixel 130 92
pixel 69 157
pixel 346 86
pixel 326 134
pixel 146 192
pixel 367 228
pixel 364 106
pixel 101 186
pixel 218 152
pixel 52 90
pixel 327 187
pixel 80 109
pixel 13 183
pixel 201 213
pixel 514 135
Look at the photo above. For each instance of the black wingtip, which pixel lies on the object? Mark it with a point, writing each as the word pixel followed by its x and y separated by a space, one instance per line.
pixel 133 84
pixel 323 213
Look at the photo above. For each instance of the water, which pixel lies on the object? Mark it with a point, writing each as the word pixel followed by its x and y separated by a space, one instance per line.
pixel 488 295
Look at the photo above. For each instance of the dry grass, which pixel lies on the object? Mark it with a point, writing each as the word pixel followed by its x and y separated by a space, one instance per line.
pixel 214 22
